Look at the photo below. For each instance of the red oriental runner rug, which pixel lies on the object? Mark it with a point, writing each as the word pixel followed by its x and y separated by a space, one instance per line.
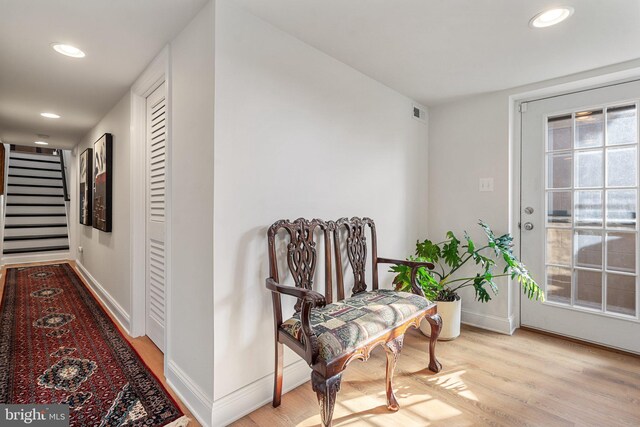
pixel 57 345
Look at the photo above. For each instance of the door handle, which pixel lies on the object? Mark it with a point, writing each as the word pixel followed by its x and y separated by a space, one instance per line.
pixel 528 226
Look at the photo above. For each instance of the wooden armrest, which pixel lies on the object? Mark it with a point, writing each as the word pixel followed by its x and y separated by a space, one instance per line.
pixel 412 264
pixel 415 265
pixel 316 299
pixel 310 299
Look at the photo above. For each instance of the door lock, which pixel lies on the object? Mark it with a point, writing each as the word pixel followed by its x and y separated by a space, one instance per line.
pixel 528 210
pixel 528 226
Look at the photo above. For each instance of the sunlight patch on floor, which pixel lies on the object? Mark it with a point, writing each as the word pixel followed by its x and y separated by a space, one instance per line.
pixel 350 412
pixel 454 381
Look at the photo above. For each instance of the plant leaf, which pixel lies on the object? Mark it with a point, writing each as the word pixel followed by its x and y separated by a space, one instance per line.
pixel 450 251
pixel 428 250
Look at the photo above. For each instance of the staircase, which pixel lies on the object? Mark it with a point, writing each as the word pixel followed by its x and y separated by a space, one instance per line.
pixel 35 218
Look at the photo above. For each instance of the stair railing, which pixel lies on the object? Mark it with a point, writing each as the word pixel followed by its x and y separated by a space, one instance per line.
pixel 5 189
pixel 63 168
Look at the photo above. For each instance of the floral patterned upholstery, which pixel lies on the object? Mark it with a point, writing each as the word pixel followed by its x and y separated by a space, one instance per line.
pixel 343 326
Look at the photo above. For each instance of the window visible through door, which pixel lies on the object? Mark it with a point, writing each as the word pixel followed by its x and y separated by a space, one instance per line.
pixel 591 197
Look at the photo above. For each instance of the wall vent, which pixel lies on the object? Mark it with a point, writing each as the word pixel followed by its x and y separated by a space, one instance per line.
pixel 419 113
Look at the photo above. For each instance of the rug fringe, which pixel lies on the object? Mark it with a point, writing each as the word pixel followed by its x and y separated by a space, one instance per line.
pixel 183 421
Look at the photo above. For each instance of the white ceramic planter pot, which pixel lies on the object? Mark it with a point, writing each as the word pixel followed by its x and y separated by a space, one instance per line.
pixel 450 313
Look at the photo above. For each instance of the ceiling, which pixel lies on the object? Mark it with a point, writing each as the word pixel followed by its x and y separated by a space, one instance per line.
pixel 438 50
pixel 119 37
pixel 430 50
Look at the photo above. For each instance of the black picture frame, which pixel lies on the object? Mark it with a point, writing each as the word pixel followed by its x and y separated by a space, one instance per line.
pixel 102 182
pixel 85 179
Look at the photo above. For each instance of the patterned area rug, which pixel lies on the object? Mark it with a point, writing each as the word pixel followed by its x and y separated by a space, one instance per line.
pixel 57 345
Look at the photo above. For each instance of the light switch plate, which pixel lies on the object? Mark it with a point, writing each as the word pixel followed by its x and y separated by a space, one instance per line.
pixel 486 184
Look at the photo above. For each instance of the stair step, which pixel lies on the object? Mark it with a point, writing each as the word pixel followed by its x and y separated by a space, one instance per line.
pixel 38 249
pixel 43 160
pixel 47 200
pixel 35 237
pixel 13 215
pixel 34 225
pixel 34 185
pixel 34 165
pixel 35 204
pixel 34 191
pixel 30 155
pixel 32 231
pixel 34 172
pixel 35 220
pixel 34 169
pixel 35 243
pixel 33 180
pixel 13 175
pixel 34 195
pixel 39 210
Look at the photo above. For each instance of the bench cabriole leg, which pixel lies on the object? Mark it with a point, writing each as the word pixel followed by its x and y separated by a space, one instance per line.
pixel 326 389
pixel 393 349
pixel 435 321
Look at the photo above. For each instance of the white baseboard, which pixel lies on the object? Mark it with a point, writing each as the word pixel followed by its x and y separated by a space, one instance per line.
pixel 112 305
pixel 250 397
pixel 189 393
pixel 503 325
pixel 44 257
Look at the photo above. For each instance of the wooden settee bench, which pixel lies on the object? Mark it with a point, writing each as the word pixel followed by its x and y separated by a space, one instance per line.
pixel 329 335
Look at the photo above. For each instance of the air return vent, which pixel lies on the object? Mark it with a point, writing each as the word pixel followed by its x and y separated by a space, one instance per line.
pixel 419 113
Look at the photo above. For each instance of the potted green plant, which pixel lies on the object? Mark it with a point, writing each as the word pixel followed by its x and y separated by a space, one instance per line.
pixel 443 283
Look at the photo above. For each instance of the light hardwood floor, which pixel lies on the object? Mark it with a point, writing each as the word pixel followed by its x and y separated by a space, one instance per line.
pixel 528 379
pixel 147 350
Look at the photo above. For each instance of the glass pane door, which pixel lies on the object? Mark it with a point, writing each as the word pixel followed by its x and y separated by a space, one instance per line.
pixel 591 192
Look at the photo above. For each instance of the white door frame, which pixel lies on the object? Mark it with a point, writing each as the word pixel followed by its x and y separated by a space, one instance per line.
pixel 156 73
pixel 515 144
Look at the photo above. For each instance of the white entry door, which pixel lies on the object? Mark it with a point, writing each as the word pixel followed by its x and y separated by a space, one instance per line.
pixel 579 204
pixel 155 215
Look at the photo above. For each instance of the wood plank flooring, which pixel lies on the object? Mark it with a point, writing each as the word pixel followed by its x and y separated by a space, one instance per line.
pixel 528 379
pixel 147 350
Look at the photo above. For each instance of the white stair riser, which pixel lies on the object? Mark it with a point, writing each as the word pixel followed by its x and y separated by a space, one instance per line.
pixel 35 156
pixel 20 244
pixel 30 164
pixel 36 220
pixel 35 190
pixel 34 181
pixel 11 232
pixel 35 209
pixel 31 172
pixel 35 199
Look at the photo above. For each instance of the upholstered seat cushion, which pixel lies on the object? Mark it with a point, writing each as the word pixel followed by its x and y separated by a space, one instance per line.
pixel 343 326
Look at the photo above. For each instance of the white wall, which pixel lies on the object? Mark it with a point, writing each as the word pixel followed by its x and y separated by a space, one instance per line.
pixel 190 367
pixel 297 134
pixel 473 138
pixel 470 140
pixel 106 255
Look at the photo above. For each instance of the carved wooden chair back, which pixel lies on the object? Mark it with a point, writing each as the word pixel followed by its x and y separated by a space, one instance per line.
pixel 356 248
pixel 302 256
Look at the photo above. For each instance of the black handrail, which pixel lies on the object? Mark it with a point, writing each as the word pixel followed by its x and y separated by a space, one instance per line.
pixel 64 177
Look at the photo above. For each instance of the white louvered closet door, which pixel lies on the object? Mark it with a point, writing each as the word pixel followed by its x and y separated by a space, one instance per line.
pixel 156 151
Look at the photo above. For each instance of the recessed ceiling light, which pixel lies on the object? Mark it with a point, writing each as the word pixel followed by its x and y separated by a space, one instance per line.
pixel 41 143
pixel 551 17
pixel 50 115
pixel 67 49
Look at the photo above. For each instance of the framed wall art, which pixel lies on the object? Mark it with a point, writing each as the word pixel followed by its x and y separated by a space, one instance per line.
pixel 102 171
pixel 86 186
